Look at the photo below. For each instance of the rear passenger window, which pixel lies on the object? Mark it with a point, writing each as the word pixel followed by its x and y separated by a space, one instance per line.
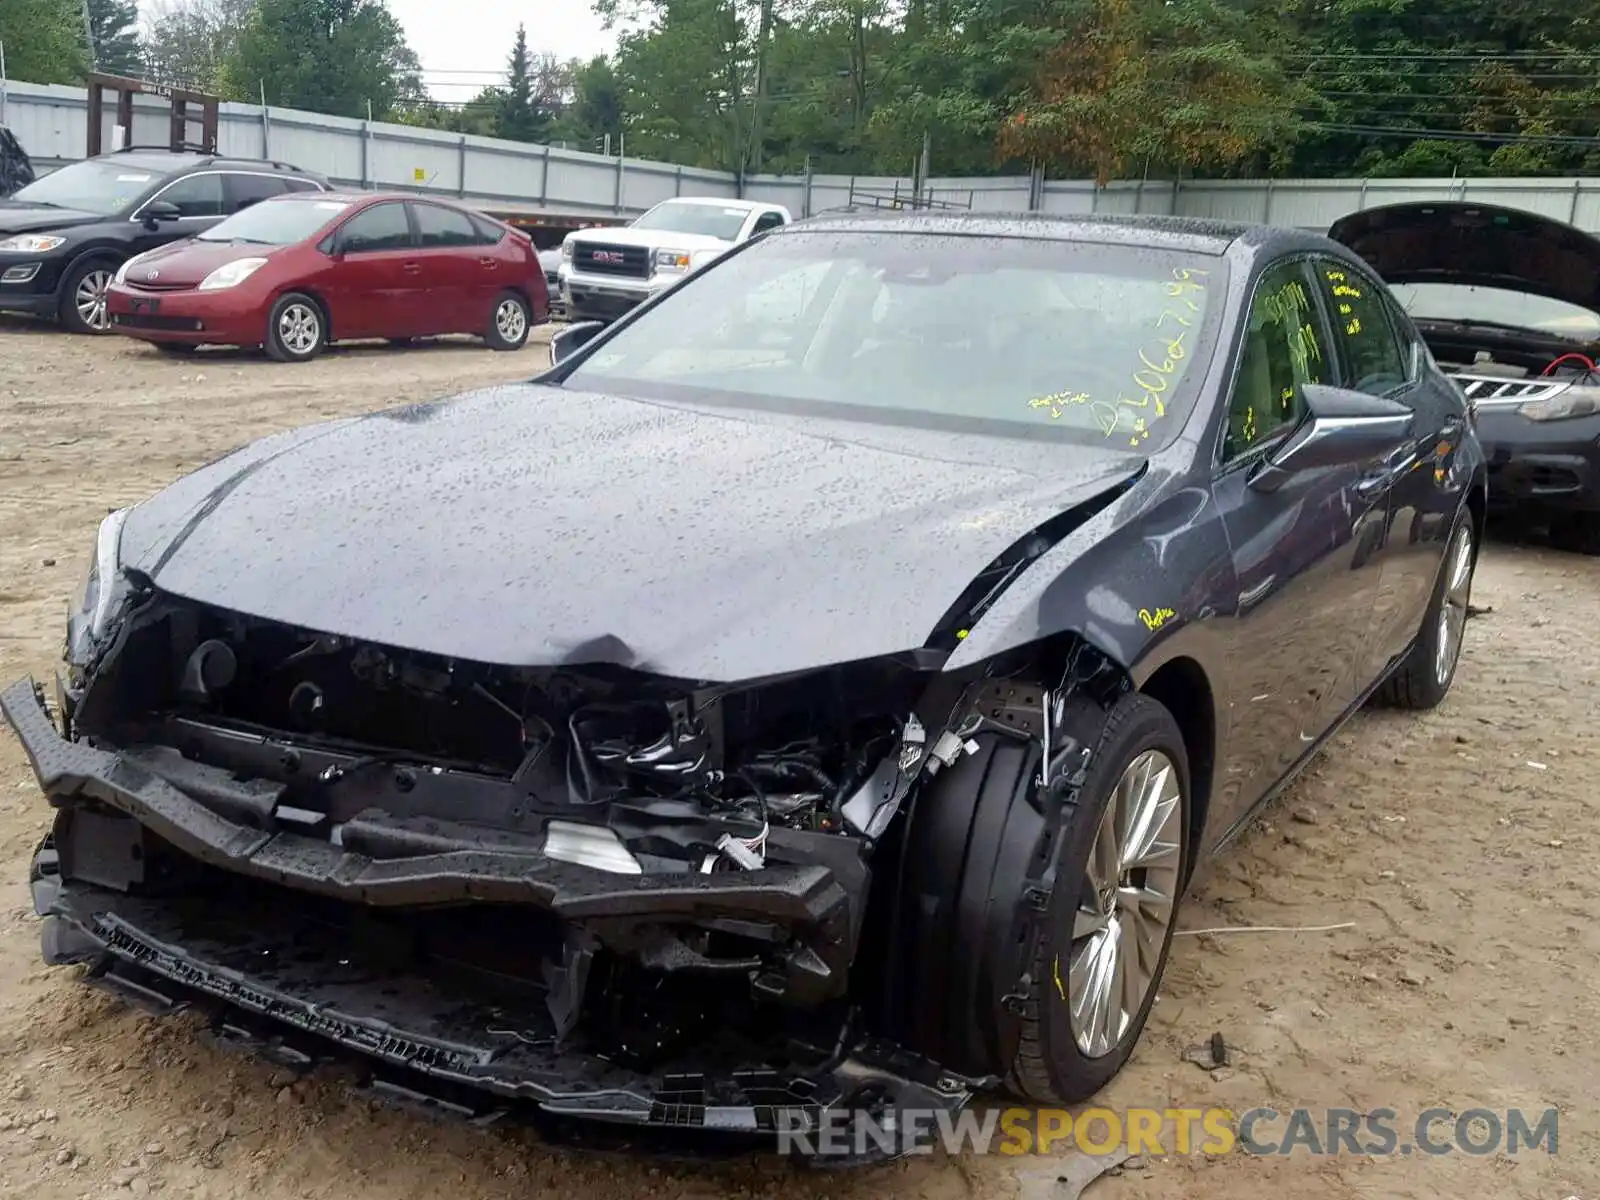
pixel 1285 348
pixel 438 226
pixel 1362 328
pixel 381 227
pixel 488 232
pixel 196 196
pixel 245 190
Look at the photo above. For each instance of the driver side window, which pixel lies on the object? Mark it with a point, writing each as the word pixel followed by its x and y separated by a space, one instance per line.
pixel 1285 348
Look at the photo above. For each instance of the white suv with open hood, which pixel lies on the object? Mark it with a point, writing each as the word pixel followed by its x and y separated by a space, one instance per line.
pixel 606 272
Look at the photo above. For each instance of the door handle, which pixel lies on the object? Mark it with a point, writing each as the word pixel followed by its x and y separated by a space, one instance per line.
pixel 491 263
pixel 410 268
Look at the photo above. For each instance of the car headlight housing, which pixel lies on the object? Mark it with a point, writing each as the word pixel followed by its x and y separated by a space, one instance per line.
pixel 31 243
pixel 566 248
pixel 1574 402
pixel 231 274
pixel 101 597
pixel 673 262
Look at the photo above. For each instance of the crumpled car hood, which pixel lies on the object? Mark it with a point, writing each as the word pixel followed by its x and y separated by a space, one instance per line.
pixel 1476 245
pixel 533 526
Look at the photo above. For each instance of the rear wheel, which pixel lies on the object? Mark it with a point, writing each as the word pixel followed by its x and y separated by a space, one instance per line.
pixel 1423 680
pixel 1576 533
pixel 83 296
pixel 511 323
pixel 1040 937
pixel 296 330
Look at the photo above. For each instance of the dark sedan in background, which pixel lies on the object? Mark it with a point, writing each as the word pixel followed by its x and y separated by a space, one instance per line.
pixel 1509 302
pixel 63 236
pixel 297 272
pixel 811 696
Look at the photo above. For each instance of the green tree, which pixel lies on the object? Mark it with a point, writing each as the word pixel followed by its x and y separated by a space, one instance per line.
pixel 595 110
pixel 519 120
pixel 1171 84
pixel 188 42
pixel 114 25
pixel 43 40
pixel 331 56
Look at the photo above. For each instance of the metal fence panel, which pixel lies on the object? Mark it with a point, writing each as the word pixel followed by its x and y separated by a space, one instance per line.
pixel 515 177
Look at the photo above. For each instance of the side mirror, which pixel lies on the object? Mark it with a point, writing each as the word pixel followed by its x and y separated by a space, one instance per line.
pixel 1343 428
pixel 572 339
pixel 158 211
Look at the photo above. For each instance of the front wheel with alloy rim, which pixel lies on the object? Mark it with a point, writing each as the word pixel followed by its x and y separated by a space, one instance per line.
pixel 1423 679
pixel 296 331
pixel 83 296
pixel 1038 930
pixel 511 324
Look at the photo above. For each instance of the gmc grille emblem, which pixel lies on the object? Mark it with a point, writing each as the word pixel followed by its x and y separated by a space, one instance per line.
pixel 613 257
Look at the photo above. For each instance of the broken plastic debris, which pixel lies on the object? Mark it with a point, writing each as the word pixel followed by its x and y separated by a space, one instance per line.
pixel 740 854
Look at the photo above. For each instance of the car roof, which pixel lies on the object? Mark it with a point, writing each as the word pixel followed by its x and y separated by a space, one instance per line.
pixel 719 202
pixel 337 196
pixel 1201 235
pixel 166 161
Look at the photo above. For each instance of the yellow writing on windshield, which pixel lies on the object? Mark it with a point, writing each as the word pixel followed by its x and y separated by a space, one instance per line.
pixel 1156 370
pixel 1159 364
pixel 1059 403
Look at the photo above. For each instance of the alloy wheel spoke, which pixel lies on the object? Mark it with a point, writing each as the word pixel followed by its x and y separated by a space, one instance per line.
pixel 1091 978
pixel 1088 922
pixel 1129 899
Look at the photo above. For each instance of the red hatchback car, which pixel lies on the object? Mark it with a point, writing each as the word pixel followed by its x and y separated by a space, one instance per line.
pixel 295 272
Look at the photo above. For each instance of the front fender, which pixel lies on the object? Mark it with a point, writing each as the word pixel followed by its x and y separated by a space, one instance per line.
pixel 1139 580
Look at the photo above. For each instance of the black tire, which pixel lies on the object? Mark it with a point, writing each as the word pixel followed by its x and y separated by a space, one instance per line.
pixel 74 311
pixel 1576 533
pixel 1423 678
pixel 993 884
pixel 297 329
pixel 510 323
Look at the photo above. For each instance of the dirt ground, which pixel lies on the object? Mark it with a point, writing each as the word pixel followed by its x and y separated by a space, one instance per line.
pixel 1461 844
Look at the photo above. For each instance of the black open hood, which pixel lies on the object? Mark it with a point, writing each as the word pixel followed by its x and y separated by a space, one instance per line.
pixel 1478 245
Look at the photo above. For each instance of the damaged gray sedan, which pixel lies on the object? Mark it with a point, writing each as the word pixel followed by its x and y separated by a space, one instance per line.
pixel 811 695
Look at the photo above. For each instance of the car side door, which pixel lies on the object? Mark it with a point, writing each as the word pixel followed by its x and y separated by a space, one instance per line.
pixel 373 288
pixel 1306 590
pixel 1382 355
pixel 200 201
pixel 459 276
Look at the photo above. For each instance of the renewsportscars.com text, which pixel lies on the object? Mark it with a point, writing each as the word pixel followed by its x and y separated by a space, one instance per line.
pixel 1379 1132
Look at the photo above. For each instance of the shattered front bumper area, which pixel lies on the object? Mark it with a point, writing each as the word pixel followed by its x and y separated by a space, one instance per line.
pixel 456 969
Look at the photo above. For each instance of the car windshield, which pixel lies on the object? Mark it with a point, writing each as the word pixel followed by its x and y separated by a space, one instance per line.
pixel 709 220
pixel 1010 336
pixel 275 222
pixel 93 186
pixel 1499 306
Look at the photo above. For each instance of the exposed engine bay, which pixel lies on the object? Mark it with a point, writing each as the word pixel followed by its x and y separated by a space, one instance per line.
pixel 1469 349
pixel 589 887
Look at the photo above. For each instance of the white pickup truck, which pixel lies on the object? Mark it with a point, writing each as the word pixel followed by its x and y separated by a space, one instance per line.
pixel 606 272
